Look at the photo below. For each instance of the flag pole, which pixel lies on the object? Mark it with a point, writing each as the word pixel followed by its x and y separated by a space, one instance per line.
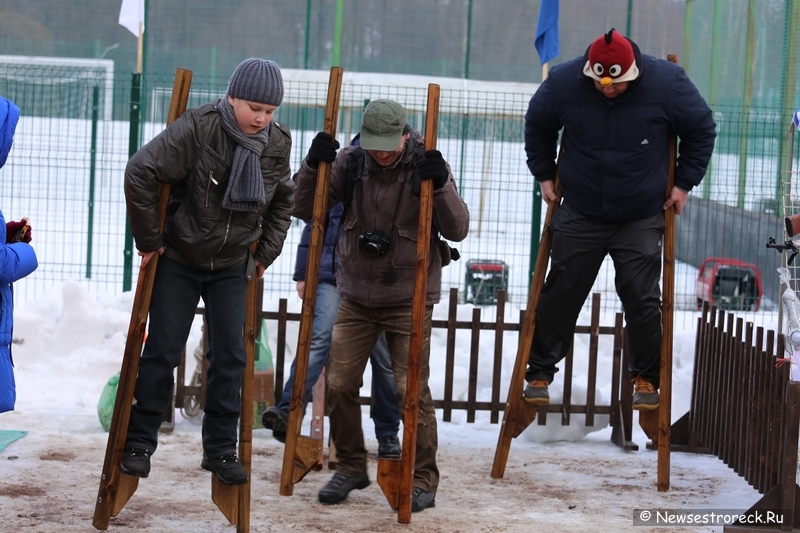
pixel 135 116
pixel 546 43
pixel 139 48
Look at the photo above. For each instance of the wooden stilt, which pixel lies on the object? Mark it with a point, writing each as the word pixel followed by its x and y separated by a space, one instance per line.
pixel 396 478
pixel 302 453
pixel 234 501
pixel 667 312
pixel 115 487
pixel 518 414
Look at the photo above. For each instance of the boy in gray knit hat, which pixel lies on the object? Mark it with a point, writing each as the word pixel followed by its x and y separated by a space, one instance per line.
pixel 227 163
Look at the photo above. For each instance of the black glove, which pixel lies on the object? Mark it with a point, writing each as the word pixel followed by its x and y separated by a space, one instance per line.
pixel 433 167
pixel 323 148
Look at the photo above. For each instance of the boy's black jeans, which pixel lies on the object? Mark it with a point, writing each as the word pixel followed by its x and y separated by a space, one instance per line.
pixel 176 293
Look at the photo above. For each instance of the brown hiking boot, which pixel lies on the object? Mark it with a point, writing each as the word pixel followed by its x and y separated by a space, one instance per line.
pixel 645 395
pixel 536 392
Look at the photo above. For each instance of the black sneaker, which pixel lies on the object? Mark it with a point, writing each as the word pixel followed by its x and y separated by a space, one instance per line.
pixel 421 499
pixel 389 447
pixel 340 486
pixel 227 468
pixel 275 418
pixel 280 435
pixel 135 462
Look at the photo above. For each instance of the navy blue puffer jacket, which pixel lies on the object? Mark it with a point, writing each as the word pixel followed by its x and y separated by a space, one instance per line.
pixel 328 263
pixel 616 157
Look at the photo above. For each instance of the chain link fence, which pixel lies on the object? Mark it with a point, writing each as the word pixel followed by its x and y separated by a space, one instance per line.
pixel 66 174
pixel 71 74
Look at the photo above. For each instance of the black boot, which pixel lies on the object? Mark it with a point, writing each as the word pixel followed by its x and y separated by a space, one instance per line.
pixel 135 462
pixel 275 419
pixel 389 447
pixel 227 468
pixel 421 499
pixel 340 486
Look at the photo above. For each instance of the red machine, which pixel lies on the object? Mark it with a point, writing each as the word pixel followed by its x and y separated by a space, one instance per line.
pixel 484 278
pixel 729 284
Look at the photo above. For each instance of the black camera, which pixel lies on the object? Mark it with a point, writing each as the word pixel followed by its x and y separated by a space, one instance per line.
pixel 373 243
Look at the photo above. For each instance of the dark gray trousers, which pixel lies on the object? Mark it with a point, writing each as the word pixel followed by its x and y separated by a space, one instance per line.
pixel 580 245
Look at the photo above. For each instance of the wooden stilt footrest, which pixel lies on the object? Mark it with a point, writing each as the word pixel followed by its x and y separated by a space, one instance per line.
pixel 226 498
pixel 389 481
pixel 306 457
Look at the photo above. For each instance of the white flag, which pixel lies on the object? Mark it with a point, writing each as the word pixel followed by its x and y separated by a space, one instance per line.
pixel 131 14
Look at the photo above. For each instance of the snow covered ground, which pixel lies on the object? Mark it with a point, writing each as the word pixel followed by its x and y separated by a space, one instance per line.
pixel 68 343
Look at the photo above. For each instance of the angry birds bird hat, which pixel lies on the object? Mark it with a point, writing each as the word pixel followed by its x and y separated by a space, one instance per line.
pixel 611 59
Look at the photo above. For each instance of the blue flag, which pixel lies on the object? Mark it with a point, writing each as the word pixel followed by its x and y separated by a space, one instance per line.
pixel 547 31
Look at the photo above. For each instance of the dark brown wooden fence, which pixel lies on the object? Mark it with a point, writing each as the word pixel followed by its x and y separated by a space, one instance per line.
pixel 746 411
pixel 620 419
pixel 744 408
pixel 618 410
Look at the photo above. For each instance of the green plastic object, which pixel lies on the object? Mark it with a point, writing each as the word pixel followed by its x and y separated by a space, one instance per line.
pixel 105 406
pixel 263 360
pixel 263 395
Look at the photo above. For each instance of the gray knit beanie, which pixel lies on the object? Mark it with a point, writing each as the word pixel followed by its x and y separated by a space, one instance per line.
pixel 257 80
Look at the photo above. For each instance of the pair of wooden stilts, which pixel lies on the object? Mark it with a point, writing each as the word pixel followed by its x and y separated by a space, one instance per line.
pixel 657 424
pixel 117 488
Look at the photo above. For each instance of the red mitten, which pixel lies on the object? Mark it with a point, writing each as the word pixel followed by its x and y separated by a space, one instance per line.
pixel 18 231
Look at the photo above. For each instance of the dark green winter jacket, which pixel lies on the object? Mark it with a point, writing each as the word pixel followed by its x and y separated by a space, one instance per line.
pixel 193 155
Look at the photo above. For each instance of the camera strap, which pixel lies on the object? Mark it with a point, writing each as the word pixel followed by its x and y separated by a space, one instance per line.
pixel 355 160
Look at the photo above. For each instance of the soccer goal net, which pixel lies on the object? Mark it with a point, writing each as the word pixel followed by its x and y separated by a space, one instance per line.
pixel 58 87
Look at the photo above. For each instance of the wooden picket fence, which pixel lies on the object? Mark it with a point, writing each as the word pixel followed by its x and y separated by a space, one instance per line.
pixel 618 410
pixel 745 411
pixel 744 408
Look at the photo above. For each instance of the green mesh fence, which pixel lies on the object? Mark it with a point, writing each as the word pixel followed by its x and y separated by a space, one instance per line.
pixel 72 168
pixel 71 73
pixel 476 39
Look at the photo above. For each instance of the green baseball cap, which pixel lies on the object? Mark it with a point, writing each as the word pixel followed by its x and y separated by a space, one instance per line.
pixel 382 125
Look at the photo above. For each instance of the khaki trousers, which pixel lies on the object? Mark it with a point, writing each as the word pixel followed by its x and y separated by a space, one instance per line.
pixel 355 332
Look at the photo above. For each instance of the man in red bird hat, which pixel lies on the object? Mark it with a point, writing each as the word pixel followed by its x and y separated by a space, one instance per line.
pixel 618 109
pixel 611 60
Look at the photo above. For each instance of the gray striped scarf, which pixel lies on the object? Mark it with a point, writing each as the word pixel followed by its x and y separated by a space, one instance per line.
pixel 245 190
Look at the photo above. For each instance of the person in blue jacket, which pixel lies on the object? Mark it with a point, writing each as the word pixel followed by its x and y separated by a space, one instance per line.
pixel 385 411
pixel 17 260
pixel 616 109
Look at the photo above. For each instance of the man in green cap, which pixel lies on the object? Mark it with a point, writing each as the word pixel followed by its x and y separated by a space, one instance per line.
pixel 377 260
